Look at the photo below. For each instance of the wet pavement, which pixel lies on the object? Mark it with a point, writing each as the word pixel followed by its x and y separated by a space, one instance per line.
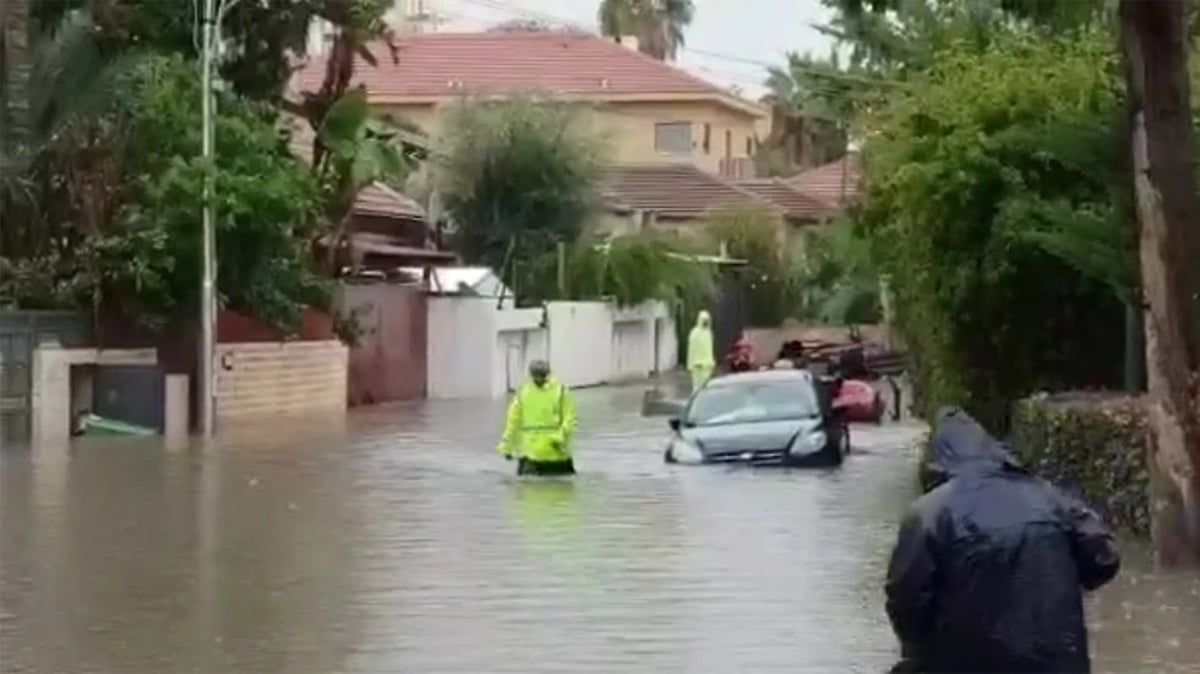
pixel 399 542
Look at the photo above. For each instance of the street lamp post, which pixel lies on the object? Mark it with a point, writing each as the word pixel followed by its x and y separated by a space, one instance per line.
pixel 214 13
pixel 208 280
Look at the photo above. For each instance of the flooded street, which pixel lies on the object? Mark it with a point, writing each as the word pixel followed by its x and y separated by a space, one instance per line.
pixel 399 542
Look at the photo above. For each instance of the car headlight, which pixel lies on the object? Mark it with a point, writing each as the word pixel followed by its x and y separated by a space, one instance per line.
pixel 685 452
pixel 809 443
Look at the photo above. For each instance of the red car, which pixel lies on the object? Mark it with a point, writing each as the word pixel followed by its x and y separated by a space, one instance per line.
pixel 858 401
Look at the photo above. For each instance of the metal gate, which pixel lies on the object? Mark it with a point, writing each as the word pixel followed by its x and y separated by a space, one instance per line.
pixel 728 312
pixel 20 333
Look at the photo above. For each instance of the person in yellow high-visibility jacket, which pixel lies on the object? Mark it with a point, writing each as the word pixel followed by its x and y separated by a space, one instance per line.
pixel 700 359
pixel 540 425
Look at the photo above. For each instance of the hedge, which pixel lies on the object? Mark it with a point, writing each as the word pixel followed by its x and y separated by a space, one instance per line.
pixel 1091 444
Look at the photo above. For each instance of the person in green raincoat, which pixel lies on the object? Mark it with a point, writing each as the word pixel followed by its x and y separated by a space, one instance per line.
pixel 700 359
pixel 540 425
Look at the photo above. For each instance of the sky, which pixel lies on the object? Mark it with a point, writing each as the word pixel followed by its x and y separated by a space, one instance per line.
pixel 729 42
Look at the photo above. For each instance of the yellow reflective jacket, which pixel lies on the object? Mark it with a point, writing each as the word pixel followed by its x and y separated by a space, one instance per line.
pixel 541 423
pixel 700 344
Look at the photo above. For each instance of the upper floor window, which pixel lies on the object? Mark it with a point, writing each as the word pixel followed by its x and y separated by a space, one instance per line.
pixel 673 137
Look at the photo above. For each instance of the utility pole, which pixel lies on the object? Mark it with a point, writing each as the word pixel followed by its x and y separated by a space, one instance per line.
pixel 208 274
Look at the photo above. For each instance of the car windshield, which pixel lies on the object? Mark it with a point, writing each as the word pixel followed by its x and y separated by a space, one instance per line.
pixel 753 401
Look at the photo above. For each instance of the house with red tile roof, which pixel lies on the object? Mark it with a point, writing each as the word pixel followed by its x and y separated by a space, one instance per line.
pixel 836 184
pixel 797 207
pixel 678 197
pixel 649 112
pixel 387 229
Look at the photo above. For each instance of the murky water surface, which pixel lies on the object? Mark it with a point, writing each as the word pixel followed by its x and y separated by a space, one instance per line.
pixel 398 542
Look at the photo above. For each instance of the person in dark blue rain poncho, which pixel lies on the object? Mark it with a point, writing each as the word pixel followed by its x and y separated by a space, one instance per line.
pixel 990 566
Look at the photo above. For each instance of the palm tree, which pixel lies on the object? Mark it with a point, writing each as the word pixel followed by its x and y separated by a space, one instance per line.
pixel 659 25
pixel 811 106
pixel 14 72
pixel 15 79
pixel 60 169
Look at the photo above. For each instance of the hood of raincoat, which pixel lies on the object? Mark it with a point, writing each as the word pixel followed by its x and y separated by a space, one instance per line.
pixel 987 575
pixel 703 320
pixel 961 445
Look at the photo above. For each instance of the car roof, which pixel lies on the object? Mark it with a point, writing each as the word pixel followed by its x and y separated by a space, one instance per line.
pixel 762 377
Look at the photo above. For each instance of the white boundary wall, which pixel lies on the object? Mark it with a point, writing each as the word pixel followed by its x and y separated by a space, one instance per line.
pixel 477 350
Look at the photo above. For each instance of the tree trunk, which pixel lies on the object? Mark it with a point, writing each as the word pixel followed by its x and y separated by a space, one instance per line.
pixel 1155 40
pixel 14 39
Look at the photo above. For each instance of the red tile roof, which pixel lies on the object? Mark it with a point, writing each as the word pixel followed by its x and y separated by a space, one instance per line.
pixel 672 191
pixel 436 66
pixel 795 205
pixel 835 184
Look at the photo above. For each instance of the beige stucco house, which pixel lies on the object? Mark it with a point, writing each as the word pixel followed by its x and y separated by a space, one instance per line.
pixel 679 147
pixel 648 111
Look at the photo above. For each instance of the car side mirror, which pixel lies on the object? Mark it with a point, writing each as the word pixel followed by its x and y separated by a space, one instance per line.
pixel 674 423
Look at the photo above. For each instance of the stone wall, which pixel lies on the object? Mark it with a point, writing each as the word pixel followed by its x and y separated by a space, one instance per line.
pixel 273 378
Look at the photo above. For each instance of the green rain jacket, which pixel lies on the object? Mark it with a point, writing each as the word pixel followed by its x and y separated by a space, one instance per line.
pixel 541 423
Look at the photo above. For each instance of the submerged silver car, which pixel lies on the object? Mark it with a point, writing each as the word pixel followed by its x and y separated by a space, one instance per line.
pixel 775 417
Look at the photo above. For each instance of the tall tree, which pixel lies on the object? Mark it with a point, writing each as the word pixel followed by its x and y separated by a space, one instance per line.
pixel 262 39
pixel 15 118
pixel 968 166
pixel 812 106
pixel 15 71
pixel 659 25
pixel 517 179
pixel 902 36
pixel 1155 40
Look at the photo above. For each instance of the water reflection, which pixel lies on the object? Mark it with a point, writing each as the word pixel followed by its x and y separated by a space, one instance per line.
pixel 398 541
pixel 1146 621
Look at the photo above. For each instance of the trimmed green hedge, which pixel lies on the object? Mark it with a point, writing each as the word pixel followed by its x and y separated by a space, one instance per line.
pixel 1090 444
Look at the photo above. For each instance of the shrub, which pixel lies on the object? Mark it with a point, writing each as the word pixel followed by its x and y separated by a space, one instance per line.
pixel 963 166
pixel 517 177
pixel 1092 445
pixel 627 270
pixel 835 278
pixel 753 234
pixel 148 263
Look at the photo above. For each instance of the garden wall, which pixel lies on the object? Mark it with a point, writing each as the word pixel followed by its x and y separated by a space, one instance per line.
pixel 267 379
pixel 476 349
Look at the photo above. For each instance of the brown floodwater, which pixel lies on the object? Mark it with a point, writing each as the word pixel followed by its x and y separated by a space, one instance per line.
pixel 397 541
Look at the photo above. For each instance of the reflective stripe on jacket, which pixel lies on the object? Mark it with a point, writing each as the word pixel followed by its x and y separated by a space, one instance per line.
pixel 540 423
